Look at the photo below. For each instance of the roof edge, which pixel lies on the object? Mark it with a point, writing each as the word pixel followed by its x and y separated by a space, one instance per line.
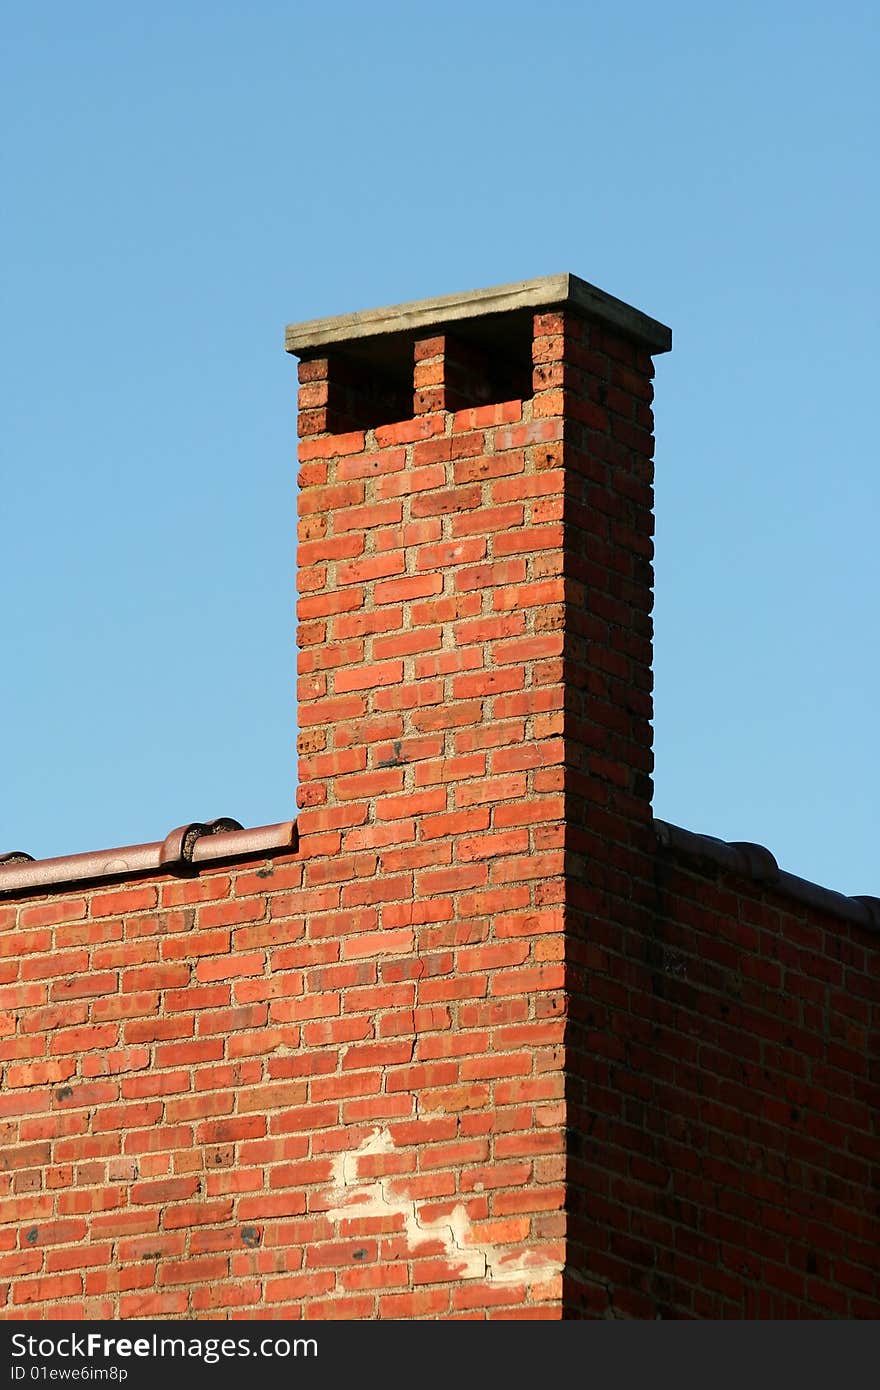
pixel 546 292
pixel 182 853
pixel 757 863
pixel 188 848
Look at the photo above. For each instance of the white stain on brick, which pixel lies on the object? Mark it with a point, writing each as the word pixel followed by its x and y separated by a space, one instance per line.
pixel 469 1258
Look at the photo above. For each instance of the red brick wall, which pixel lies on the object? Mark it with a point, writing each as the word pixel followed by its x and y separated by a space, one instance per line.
pixel 476 1048
pixel 723 1101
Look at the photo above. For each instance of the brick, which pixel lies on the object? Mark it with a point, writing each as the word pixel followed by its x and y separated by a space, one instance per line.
pixel 372 567
pixel 405 590
pixel 535 595
pixel 445 501
pixel 371 465
pixel 39 1073
pixel 194 1271
pixel 37 967
pixel 48 913
pixel 154 977
pixel 484 416
pixel 23 996
pixel 164 1190
pixel 112 1063
pixel 138 898
pixel 494 574
pixel 424 1303
pixel 369 676
pixel 411 804
pixel 46 1289
pixel 98 1035
pixel 446 554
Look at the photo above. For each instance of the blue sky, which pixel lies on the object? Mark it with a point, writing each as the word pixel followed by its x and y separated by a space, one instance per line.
pixel 182 179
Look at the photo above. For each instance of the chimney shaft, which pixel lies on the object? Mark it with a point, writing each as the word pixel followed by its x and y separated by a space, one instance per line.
pixel 474 572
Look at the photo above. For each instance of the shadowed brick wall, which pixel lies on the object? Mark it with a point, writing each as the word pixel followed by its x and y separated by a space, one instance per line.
pixel 722 1102
pixel 477 1037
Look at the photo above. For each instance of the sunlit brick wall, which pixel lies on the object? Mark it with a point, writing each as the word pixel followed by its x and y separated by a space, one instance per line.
pixel 477 1046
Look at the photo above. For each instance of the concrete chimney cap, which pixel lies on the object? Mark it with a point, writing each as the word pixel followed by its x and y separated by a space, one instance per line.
pixel 424 316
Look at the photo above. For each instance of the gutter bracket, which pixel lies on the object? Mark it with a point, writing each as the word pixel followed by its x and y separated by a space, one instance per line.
pixel 176 854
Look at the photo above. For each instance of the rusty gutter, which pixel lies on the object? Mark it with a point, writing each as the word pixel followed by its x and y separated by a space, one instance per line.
pixel 757 863
pixel 182 853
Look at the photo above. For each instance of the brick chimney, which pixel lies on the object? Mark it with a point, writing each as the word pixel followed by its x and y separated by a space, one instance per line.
pixel 475 578
pixel 475 686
